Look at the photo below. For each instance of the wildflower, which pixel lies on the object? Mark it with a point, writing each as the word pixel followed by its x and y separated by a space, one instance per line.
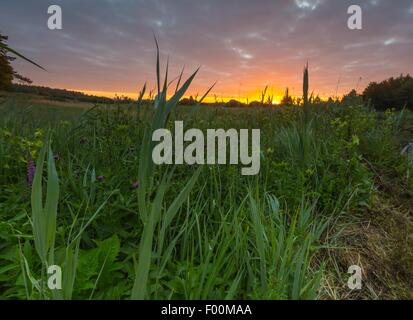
pixel 135 185
pixel 100 178
pixel 31 170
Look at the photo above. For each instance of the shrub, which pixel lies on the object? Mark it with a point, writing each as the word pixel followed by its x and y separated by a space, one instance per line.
pixel 391 93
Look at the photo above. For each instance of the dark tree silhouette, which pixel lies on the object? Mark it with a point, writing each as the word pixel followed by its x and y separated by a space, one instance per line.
pixel 391 93
pixel 6 70
pixel 22 80
pixel 352 98
pixel 7 74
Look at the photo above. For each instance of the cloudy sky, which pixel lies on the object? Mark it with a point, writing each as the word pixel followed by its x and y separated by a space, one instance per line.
pixel 107 45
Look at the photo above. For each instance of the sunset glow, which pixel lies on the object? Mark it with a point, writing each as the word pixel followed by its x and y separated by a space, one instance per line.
pixel 107 47
pixel 250 97
pixel 205 159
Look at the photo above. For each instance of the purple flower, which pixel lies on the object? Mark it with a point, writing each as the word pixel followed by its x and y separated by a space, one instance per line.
pixel 100 178
pixel 31 170
pixel 135 185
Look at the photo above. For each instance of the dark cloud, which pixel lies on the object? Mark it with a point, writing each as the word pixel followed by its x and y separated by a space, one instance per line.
pixel 108 45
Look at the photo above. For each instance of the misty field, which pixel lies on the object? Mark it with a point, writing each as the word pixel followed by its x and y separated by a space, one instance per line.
pixel 332 192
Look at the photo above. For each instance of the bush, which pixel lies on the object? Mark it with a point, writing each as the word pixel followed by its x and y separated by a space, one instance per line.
pixel 391 93
pixel 234 104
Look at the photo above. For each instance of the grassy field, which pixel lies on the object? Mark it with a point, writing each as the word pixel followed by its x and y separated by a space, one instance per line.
pixel 333 191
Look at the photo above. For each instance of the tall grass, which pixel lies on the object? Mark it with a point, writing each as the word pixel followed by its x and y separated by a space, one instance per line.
pixel 44 228
pixel 7 48
pixel 306 85
pixel 184 232
pixel 151 210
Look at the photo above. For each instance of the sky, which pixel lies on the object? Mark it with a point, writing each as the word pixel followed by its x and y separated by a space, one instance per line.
pixel 107 46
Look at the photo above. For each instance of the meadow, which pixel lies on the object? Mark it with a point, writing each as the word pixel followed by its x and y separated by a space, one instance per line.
pixel 78 189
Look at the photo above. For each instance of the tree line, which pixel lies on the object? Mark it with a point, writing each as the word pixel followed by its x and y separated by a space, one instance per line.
pixel 394 93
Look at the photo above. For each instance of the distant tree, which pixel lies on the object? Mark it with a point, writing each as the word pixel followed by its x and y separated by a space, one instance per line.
pixel 352 98
pixel 234 104
pixel 391 93
pixel 255 104
pixel 22 80
pixel 6 70
pixel 7 74
pixel 63 95
pixel 188 102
